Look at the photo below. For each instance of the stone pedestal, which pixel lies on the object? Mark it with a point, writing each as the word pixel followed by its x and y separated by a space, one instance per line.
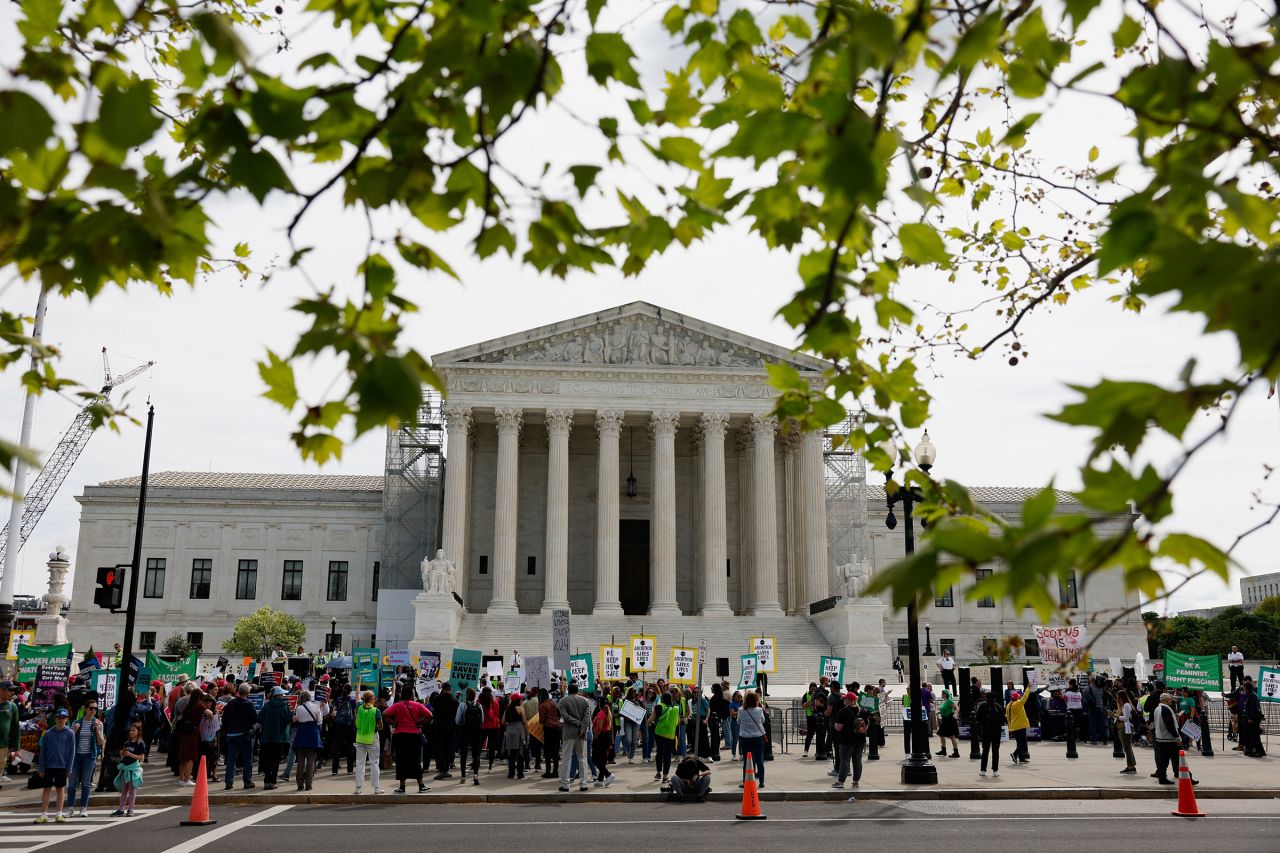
pixel 855 630
pixel 436 620
pixel 51 628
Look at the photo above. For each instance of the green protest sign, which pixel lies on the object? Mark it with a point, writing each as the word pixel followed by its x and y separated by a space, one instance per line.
pixel 364 663
pixel 1199 672
pixel 583 671
pixel 832 668
pixel 167 671
pixel 30 657
pixel 464 672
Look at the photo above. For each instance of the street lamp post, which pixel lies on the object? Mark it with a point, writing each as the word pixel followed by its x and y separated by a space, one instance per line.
pixel 928 642
pixel 918 769
pixel 333 635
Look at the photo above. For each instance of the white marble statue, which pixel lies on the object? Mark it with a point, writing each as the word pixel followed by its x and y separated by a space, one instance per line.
pixel 438 575
pixel 856 577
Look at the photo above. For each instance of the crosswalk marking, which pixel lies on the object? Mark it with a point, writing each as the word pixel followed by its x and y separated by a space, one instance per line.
pixel 36 836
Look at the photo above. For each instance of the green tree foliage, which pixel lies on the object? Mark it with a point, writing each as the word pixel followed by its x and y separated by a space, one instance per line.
pixel 1257 633
pixel 176 646
pixel 882 143
pixel 258 632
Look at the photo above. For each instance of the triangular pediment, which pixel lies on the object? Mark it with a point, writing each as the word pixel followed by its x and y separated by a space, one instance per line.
pixel 637 334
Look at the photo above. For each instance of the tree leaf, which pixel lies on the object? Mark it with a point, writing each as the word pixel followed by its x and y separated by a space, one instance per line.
pixel 922 245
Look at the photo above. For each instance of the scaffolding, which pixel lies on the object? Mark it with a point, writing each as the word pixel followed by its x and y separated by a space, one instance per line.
pixel 846 480
pixel 413 489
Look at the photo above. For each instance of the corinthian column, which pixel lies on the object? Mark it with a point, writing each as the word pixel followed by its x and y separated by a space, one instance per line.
pixel 454 535
pixel 556 596
pixel 609 428
pixel 715 554
pixel 663 579
pixel 790 514
pixel 764 519
pixel 506 507
pixel 813 514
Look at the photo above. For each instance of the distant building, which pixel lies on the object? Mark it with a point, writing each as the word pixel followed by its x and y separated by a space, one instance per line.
pixel 1257 587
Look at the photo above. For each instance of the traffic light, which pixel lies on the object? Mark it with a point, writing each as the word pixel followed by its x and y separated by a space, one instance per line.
pixel 110 591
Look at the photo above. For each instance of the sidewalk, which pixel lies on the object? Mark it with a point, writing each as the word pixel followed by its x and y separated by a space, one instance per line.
pixel 1094 775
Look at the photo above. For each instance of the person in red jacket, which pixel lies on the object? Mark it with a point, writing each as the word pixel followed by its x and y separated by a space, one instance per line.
pixel 407 718
pixel 491 728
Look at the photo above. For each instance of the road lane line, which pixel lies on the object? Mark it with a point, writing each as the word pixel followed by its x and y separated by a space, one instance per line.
pixel 205 838
pixel 866 818
pixel 90 828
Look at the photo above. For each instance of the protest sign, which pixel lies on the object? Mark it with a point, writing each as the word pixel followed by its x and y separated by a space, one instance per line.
pixel 398 657
pixel 1199 672
pixel 426 688
pixel 464 672
pixel 429 664
pixel 19 638
pixel 560 639
pixel 106 682
pixel 1060 644
pixel 748 678
pixel 633 712
pixel 583 671
pixel 29 657
pixel 869 703
pixel 1117 669
pixel 493 668
pixel 364 663
pixel 1268 684
pixel 1140 667
pixel 765 649
pixel 259 701
pixel 51 679
pixel 644 653
pixel 612 663
pixel 537 671
pixel 89 664
pixel 1191 729
pixel 683 665
pixel 534 725
pixel 1057 681
pixel 832 668
pixel 168 671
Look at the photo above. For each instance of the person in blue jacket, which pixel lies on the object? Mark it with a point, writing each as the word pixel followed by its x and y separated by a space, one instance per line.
pixel 57 750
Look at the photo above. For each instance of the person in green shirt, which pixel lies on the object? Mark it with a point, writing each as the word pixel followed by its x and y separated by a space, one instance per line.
pixel 368 724
pixel 948 726
pixel 8 727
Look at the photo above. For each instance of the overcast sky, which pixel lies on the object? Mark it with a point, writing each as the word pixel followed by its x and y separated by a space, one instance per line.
pixel 988 420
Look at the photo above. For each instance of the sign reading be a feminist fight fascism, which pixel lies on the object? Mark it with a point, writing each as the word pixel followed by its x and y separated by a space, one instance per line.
pixel 1199 672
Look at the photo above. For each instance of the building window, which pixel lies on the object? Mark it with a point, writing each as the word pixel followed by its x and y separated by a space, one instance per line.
pixel 201 577
pixel 944 600
pixel 1033 648
pixel 904 648
pixel 291 583
pixel 195 639
pixel 484 565
pixel 377 577
pixel 337 580
pixel 247 580
pixel 947 646
pixel 533 566
pixel 1067 591
pixel 153 583
pixel 146 640
pixel 988 601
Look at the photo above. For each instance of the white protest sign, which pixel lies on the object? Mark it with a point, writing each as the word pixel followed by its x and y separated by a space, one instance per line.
pixel 1268 684
pixel 426 688
pixel 764 649
pixel 612 663
pixel 1116 669
pixel 1060 644
pixel 580 670
pixel 1033 678
pixel 560 639
pixel 1140 666
pixel 494 668
pixel 538 671
pixel 1191 729
pixel 644 653
pixel 633 712
pixel 683 663
pixel 1057 681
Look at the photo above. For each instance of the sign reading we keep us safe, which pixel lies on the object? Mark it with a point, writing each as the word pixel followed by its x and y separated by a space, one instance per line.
pixel 832 668
pixel 613 663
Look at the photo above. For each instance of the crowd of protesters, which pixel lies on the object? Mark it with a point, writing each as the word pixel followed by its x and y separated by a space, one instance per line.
pixel 293 728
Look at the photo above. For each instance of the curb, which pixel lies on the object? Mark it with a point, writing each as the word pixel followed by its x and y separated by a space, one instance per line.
pixel 828 796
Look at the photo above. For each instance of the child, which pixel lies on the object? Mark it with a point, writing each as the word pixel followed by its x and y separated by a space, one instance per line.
pixel 129 776
pixel 57 750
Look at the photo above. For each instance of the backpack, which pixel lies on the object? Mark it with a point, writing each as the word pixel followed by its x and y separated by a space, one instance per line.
pixel 1137 722
pixel 342 713
pixel 473 717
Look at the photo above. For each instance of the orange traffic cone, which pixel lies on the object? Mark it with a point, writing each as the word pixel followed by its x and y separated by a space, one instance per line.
pixel 1186 792
pixel 750 796
pixel 199 814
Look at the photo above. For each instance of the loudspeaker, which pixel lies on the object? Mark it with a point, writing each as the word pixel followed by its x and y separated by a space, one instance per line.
pixel 966 693
pixel 722 667
pixel 300 666
pixel 997 682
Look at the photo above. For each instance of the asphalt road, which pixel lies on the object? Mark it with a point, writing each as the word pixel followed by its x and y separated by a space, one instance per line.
pixel 1241 827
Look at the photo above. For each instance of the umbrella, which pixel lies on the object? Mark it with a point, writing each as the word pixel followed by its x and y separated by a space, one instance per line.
pixel 343 662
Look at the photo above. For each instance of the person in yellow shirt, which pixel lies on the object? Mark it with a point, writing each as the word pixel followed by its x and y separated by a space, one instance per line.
pixel 1016 714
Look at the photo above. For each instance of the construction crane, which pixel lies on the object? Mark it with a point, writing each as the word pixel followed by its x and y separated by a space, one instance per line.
pixel 64 456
